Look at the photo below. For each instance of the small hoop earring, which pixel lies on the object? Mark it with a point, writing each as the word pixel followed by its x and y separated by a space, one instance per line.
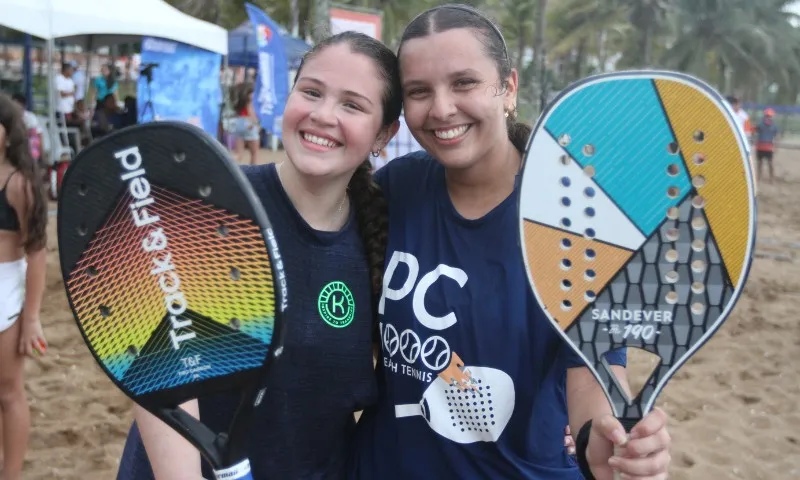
pixel 375 154
pixel 505 114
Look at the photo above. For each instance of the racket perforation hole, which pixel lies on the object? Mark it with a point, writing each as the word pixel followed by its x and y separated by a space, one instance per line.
pixel 673 234
pixel 590 254
pixel 565 160
pixel 590 296
pixel 698 159
pixel 699 136
pixel 566 222
pixel 564 140
pixel 698 181
pixel 236 274
pixel 672 276
pixel 589 275
pixel 566 264
pixel 698 288
pixel 565 201
pixel 589 192
pixel 83 189
pixel 566 305
pixel 566 243
pixel 104 311
pixel 204 191
pixel 673 213
pixel 698 266
pixel 223 230
pixel 698 223
pixel 179 157
pixel 698 308
pixel 91 271
pixel 673 169
pixel 589 170
pixel 699 202
pixel 589 212
pixel 589 150
pixel 673 148
pixel 698 245
pixel 82 230
pixel 671 256
pixel 565 182
pixel 235 323
pixel 673 192
pixel 132 351
pixel 671 298
pixel 566 285
pixel 589 233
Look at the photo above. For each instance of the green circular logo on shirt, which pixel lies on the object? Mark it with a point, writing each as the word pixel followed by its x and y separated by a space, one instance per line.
pixel 336 304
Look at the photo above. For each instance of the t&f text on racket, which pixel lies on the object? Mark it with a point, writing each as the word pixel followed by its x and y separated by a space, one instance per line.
pixel 155 242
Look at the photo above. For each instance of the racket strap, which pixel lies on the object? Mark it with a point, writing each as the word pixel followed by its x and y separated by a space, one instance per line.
pixel 581 443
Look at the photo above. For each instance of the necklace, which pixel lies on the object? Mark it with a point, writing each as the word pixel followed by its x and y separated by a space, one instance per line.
pixel 339 209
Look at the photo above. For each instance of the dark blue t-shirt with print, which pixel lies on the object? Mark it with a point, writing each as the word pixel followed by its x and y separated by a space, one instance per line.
pixel 303 428
pixel 471 374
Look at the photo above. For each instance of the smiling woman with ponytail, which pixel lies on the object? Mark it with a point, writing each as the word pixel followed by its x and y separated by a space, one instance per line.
pixel 474 382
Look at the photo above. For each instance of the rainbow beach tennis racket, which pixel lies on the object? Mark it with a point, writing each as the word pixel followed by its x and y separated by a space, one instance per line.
pixel 174 277
pixel 637 221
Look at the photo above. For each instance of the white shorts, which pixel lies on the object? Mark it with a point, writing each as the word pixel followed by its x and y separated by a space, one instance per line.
pixel 12 291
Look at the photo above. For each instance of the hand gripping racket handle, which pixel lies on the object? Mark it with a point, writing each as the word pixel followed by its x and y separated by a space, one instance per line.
pixel 240 471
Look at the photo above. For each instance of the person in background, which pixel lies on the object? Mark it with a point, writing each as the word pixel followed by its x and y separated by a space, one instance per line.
pixel 765 135
pixel 107 118
pixel 247 129
pixel 23 262
pixel 104 85
pixel 65 88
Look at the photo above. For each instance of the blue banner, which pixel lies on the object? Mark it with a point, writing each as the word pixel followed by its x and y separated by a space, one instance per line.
pixel 272 80
pixel 184 86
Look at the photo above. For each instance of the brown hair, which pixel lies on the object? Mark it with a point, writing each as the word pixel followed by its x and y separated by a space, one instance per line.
pixel 19 156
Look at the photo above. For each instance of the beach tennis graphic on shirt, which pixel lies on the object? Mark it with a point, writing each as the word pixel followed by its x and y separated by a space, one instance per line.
pixel 636 221
pixel 463 403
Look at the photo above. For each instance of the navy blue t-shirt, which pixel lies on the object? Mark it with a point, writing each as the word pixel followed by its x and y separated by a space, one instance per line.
pixel 304 427
pixel 471 375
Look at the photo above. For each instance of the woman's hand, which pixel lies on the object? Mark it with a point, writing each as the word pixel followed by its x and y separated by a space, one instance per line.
pixel 31 338
pixel 643 454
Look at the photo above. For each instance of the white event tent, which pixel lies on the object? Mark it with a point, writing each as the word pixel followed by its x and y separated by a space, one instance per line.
pixel 96 23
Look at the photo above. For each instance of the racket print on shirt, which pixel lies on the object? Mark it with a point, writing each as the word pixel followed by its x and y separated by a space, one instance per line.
pixel 462 403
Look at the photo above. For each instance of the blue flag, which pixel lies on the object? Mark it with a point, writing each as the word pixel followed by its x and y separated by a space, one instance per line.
pixel 272 80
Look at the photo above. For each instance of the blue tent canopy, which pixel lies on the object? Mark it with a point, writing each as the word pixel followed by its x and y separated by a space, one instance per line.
pixel 243 50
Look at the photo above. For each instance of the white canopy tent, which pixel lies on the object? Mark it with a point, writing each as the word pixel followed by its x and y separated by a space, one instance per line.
pixel 95 23
pixel 108 22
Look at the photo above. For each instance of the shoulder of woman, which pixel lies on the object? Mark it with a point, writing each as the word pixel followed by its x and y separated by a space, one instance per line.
pixel 17 189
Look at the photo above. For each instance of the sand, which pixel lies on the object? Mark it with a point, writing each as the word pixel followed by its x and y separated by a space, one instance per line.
pixel 732 406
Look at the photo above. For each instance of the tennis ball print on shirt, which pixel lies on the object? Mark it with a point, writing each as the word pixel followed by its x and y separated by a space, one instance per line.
pixel 465 404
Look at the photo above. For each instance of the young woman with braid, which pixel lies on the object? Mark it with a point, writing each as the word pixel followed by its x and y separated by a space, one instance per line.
pixel 344 105
pixel 473 381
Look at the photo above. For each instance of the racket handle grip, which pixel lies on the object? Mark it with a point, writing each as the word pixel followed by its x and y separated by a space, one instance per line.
pixel 240 471
pixel 628 423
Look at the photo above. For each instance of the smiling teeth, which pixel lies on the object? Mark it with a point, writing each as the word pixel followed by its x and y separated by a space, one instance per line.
pixel 319 140
pixel 452 133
